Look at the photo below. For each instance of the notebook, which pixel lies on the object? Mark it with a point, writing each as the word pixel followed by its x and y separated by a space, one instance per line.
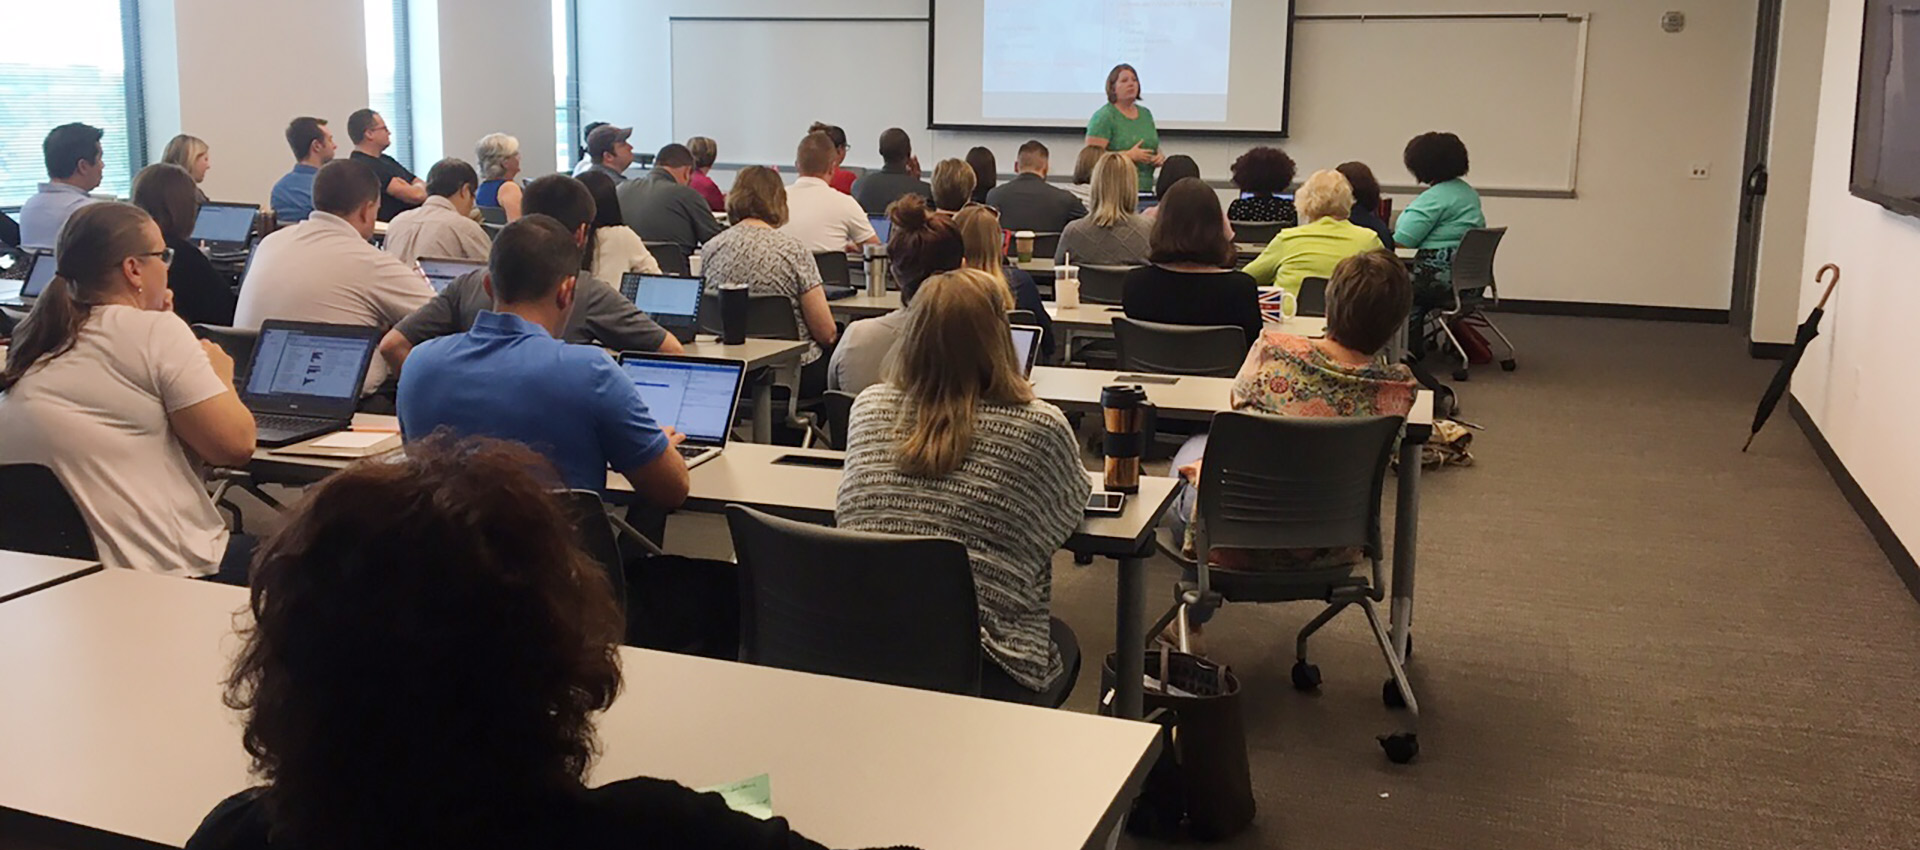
pixel 696 396
pixel 304 379
pixel 672 301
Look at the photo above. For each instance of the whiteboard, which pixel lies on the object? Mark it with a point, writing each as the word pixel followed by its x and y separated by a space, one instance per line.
pixel 756 84
pixel 1510 86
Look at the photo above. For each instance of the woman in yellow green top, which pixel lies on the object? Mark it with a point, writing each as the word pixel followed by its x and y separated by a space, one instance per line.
pixel 1125 127
pixel 1314 248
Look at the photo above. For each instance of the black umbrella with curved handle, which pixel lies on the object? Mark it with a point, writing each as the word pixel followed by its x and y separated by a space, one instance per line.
pixel 1805 334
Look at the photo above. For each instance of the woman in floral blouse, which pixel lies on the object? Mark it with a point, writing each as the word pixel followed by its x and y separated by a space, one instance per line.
pixel 1341 374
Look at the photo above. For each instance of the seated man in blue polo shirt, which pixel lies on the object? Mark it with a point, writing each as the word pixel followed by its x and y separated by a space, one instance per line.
pixel 510 378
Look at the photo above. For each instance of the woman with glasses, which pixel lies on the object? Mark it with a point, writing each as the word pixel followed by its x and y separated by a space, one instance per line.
pixel 108 388
pixel 201 295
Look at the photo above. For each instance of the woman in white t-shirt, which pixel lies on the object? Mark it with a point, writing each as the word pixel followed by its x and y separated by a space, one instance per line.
pixel 615 249
pixel 107 387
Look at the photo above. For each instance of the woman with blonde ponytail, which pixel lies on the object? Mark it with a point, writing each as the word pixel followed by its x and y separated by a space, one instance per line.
pixel 955 445
pixel 108 388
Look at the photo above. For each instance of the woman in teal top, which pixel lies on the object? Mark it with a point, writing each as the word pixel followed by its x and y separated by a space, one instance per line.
pixel 1314 248
pixel 1437 220
pixel 1125 127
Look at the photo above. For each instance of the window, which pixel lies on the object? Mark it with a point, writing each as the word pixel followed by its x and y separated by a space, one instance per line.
pixel 46 82
pixel 566 85
pixel 389 75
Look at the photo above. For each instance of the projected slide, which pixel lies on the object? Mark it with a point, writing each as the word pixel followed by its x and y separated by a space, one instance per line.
pixel 1050 59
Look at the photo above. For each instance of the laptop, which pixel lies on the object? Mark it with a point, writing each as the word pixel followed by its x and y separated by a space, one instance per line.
pixel 881 227
pixel 671 300
pixel 304 379
pixel 697 396
pixel 441 271
pixel 40 271
pixel 1026 344
pixel 224 228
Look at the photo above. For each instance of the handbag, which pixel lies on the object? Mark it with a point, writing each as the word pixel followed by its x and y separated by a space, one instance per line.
pixel 1201 787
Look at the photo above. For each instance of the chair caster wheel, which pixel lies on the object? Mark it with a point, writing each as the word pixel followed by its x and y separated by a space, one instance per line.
pixel 1306 677
pixel 1460 374
pixel 1390 694
pixel 1509 365
pixel 1401 747
pixel 1082 560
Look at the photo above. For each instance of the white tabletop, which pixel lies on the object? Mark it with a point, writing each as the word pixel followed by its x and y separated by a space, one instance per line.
pixel 112 720
pixel 746 474
pixel 22 573
pixel 756 352
pixel 1188 397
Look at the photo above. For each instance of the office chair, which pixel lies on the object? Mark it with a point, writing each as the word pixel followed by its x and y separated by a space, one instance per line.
pixel 1211 350
pixel 1473 291
pixel 38 515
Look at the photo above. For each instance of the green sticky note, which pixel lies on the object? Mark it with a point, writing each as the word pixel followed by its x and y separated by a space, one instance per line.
pixel 748 796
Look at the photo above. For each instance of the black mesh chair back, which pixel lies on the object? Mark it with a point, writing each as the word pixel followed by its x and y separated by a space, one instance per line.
pixel 837 409
pixel 493 215
pixel 1258 232
pixel 672 258
pixel 1103 284
pixel 1294 482
pixel 38 515
pixel 1473 260
pixel 879 607
pixel 834 270
pixel 236 342
pixel 1214 351
pixel 596 537
pixel 769 315
pixel 1312 300
pixel 1044 244
pixel 1022 317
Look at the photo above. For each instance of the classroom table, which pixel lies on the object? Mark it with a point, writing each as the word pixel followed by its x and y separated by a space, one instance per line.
pixel 112 727
pixel 22 573
pixel 748 474
pixel 764 358
pixel 1188 397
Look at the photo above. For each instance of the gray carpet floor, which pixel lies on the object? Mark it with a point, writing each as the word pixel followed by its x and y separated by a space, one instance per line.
pixel 1630 635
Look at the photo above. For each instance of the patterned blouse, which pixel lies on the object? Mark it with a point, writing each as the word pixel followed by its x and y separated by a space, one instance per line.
pixel 1286 375
pixel 766 260
pixel 1268 208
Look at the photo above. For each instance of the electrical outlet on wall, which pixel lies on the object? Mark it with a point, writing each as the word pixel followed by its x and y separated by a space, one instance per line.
pixel 1699 171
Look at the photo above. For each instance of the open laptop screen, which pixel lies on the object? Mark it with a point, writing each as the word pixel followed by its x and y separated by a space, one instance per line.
pixel 311 369
pixel 662 295
pixel 441 272
pixel 39 276
pixel 696 397
pixel 882 227
pixel 224 223
pixel 1026 343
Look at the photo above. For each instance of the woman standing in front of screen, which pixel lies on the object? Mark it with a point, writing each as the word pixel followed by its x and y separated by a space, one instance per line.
pixel 1125 127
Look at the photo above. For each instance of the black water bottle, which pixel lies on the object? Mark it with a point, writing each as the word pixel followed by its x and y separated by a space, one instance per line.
pixel 733 313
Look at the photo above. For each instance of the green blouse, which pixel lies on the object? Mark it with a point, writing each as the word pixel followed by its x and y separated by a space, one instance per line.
pixel 1122 133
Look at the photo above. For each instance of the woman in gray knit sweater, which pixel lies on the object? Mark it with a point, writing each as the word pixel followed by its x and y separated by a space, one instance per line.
pixel 955 445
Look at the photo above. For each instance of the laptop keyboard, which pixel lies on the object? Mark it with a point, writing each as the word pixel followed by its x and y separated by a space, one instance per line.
pixel 690 452
pixel 283 423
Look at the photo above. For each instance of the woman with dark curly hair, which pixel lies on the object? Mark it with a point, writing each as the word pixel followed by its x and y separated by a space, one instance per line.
pixel 1262 173
pixel 428 651
pixel 1436 220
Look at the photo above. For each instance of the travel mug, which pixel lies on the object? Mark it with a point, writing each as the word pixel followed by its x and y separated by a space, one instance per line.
pixel 733 313
pixel 1023 245
pixel 877 269
pixel 1127 416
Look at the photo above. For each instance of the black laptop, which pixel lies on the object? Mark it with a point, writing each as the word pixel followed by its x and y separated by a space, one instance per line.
pixel 441 271
pixel 224 228
pixel 40 269
pixel 672 301
pixel 305 379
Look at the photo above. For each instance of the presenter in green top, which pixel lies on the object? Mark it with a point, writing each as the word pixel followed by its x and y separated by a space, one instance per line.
pixel 1125 127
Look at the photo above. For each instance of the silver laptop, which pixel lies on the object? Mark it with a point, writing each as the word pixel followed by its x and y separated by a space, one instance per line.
pixel 441 271
pixel 1026 344
pixel 697 396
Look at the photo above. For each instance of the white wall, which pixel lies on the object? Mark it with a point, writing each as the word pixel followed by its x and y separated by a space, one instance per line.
pixel 236 71
pixel 1856 380
pixel 1640 232
pixel 1796 98
pixel 496 75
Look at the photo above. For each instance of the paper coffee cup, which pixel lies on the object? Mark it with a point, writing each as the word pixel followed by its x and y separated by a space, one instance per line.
pixel 1023 245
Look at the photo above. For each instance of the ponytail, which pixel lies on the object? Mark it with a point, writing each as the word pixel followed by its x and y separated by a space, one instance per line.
pixel 95 241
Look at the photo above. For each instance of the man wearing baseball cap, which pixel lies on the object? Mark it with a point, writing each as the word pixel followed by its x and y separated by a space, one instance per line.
pixel 608 148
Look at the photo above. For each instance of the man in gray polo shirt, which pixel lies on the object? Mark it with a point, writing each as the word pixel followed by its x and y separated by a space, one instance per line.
pixel 661 207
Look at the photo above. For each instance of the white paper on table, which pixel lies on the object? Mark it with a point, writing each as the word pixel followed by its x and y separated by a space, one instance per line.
pixel 351 440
